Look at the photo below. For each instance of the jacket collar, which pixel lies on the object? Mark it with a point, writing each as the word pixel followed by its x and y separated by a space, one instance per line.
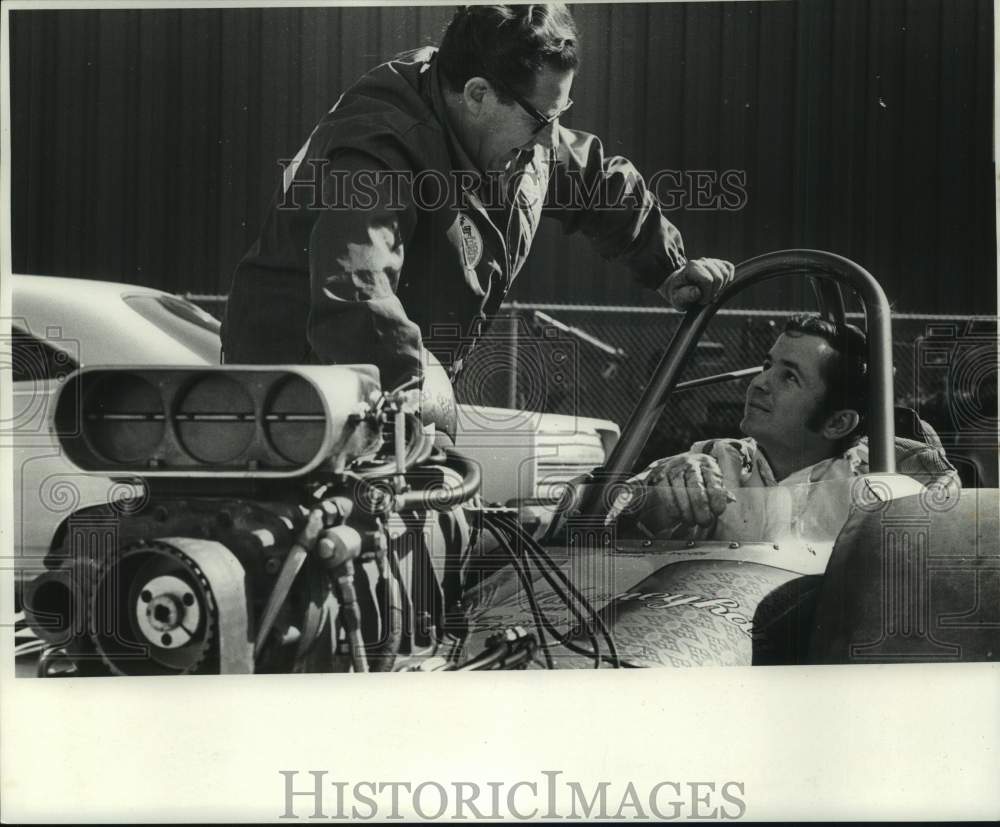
pixel 459 157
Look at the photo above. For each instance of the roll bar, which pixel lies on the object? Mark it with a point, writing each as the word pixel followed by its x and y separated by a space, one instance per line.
pixel 828 272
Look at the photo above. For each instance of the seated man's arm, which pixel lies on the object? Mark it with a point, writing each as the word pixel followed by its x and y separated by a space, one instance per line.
pixel 691 486
pixel 684 489
pixel 928 465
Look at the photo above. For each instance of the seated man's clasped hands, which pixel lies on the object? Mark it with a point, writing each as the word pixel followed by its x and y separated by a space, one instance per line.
pixel 803 421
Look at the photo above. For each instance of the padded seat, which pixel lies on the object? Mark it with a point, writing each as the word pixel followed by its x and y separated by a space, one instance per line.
pixel 913 580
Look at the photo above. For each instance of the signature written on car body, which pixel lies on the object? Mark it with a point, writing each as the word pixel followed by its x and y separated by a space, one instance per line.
pixel 724 607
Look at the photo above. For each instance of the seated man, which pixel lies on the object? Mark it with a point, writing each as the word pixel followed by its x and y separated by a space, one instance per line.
pixel 803 419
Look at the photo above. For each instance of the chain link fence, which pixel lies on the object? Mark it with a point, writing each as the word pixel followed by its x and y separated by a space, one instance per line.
pixel 595 361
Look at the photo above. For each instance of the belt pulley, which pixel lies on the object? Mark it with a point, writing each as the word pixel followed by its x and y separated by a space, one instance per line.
pixel 164 606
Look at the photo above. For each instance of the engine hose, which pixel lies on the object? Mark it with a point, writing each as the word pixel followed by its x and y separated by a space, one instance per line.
pixel 500 530
pixel 381 657
pixel 287 575
pixel 549 569
pixel 505 653
pixel 418 449
pixel 446 497
pixel 537 549
pixel 481 662
pixel 614 658
pixel 520 566
pixel 595 651
pixel 423 447
pixel 350 615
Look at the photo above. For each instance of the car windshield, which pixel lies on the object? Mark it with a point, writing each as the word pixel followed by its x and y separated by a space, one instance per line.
pixel 181 320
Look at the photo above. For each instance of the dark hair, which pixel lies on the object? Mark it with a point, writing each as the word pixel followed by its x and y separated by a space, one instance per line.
pixel 509 43
pixel 846 375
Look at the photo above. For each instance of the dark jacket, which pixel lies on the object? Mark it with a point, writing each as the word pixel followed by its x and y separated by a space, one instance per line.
pixel 362 259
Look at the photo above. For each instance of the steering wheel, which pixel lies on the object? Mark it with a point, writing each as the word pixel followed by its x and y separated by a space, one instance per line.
pixel 827 272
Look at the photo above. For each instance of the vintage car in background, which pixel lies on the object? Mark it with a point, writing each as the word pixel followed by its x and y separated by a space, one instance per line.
pixel 277 535
pixel 60 324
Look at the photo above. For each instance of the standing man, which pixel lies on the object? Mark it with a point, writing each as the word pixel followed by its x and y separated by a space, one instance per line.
pixel 403 220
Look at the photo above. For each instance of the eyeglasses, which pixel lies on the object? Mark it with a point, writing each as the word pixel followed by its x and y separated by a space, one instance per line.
pixel 542 120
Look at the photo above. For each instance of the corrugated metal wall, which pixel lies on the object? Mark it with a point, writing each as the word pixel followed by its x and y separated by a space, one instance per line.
pixel 145 142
